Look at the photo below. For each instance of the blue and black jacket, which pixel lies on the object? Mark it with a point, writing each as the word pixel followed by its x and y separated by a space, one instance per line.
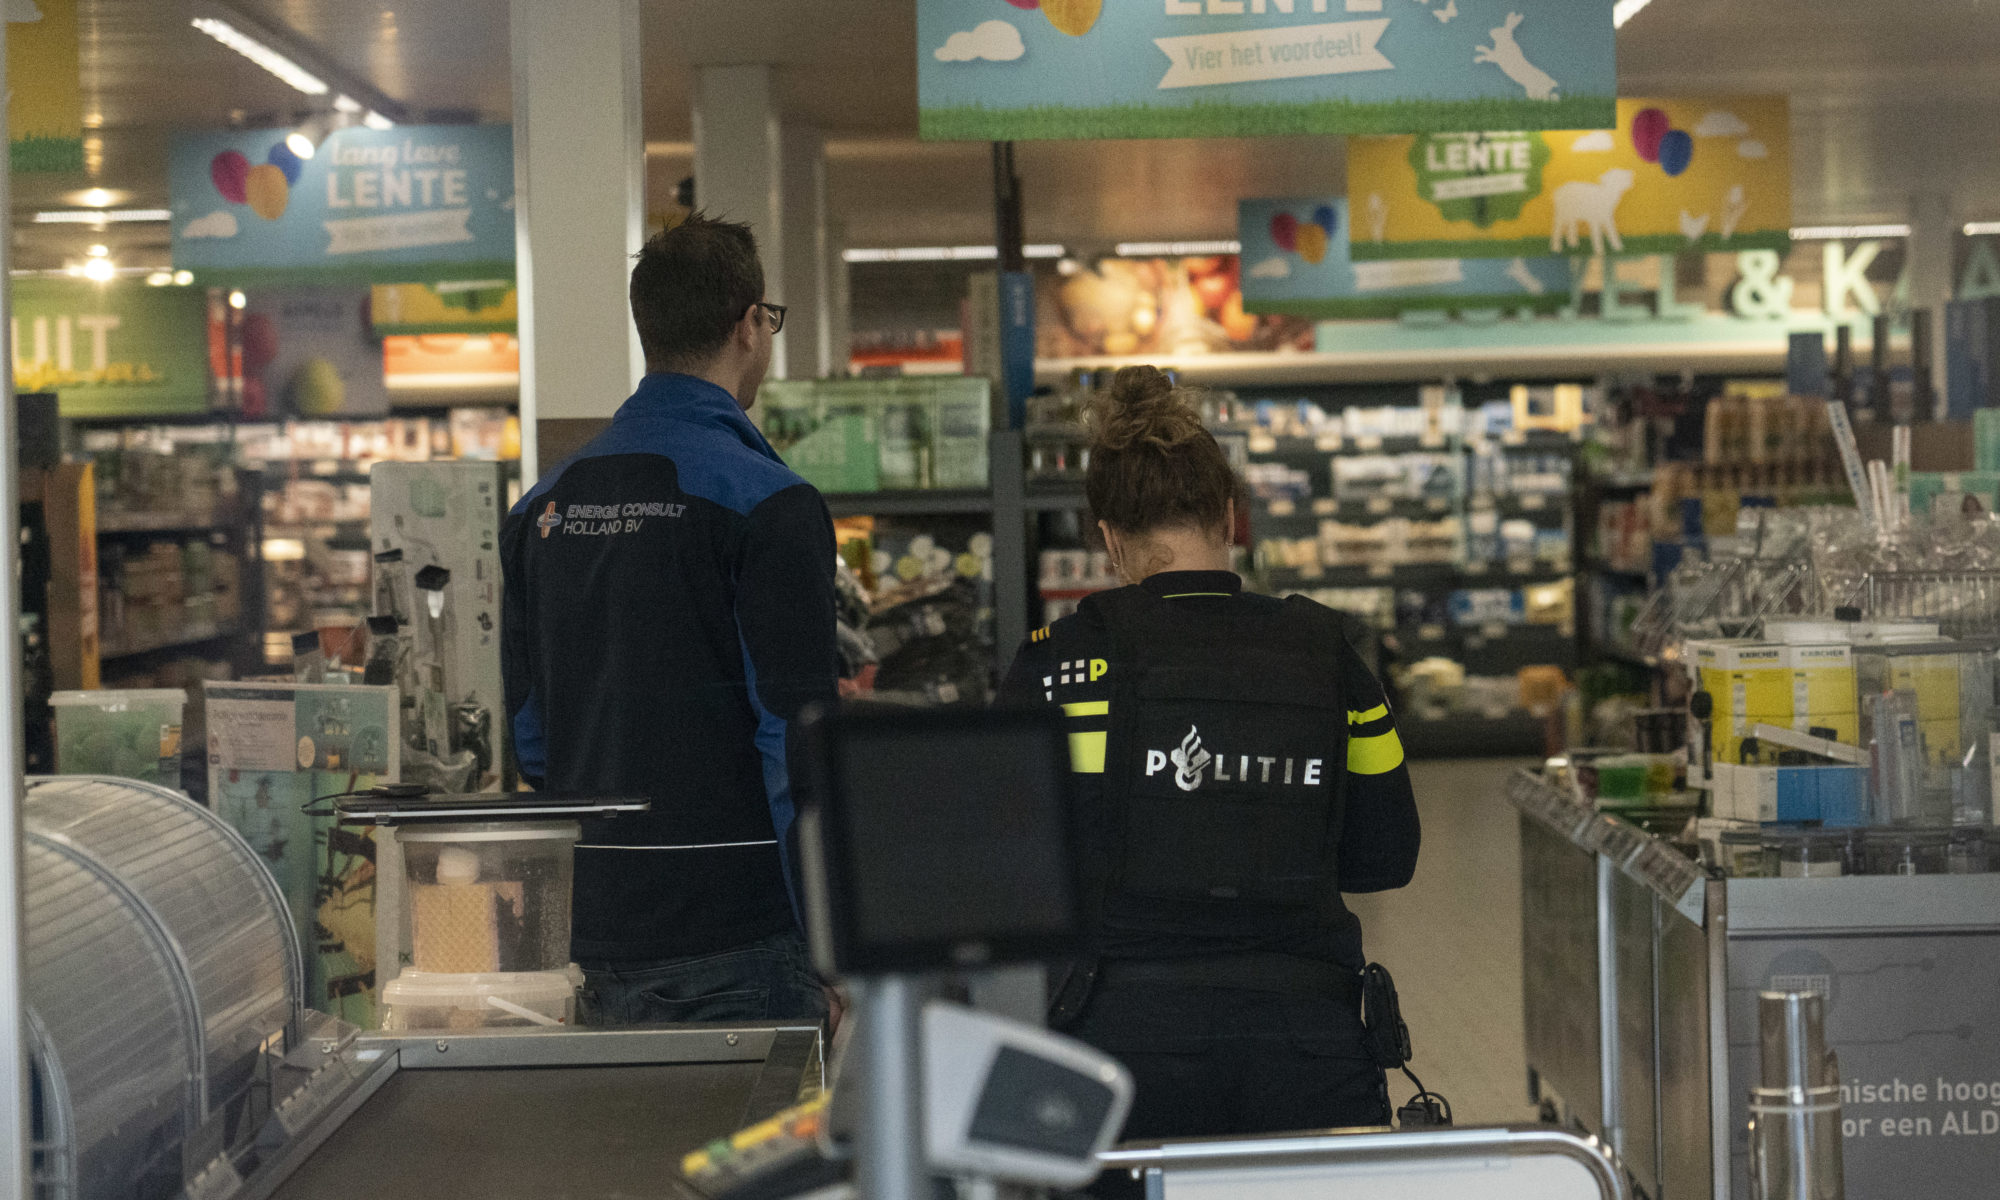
pixel 668 613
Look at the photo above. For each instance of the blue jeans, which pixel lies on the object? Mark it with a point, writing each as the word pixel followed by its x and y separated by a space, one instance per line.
pixel 766 980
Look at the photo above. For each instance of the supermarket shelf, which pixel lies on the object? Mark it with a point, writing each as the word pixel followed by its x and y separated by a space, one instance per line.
pixel 1267 446
pixel 1641 482
pixel 141 522
pixel 1473 736
pixel 193 635
pixel 932 502
pixel 1512 575
pixel 1601 567
pixel 1531 506
pixel 1401 575
pixel 1354 510
pixel 1055 497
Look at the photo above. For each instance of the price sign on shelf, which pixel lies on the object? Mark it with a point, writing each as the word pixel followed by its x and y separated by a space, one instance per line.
pixel 1437 504
pixel 1432 440
pixel 1368 444
pixel 1534 503
pixel 1514 437
pixel 1380 571
pixel 1325 507
pixel 1493 630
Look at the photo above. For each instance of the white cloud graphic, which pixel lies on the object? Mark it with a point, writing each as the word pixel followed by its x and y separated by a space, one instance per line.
pixel 23 12
pixel 1752 148
pixel 1721 124
pixel 219 224
pixel 1597 141
pixel 994 41
pixel 1275 267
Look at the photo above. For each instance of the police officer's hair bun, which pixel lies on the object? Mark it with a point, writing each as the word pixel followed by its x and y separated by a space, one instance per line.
pixel 1153 463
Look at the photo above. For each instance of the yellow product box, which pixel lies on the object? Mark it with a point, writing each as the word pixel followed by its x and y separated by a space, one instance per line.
pixel 1934 679
pixel 1749 682
pixel 1942 746
pixel 1823 682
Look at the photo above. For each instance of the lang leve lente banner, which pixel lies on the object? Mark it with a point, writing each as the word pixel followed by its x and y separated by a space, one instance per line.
pixel 1000 70
pixel 1295 264
pixel 1675 176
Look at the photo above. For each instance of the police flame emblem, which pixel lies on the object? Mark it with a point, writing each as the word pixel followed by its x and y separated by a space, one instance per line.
pixel 1189 760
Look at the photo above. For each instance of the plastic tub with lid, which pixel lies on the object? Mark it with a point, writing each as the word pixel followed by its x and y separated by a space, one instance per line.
pixel 488 897
pixel 427 1000
pixel 132 734
pixel 1809 853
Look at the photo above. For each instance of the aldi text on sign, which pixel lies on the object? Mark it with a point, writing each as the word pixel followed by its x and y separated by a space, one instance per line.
pixel 414 201
pixel 1676 176
pixel 1224 68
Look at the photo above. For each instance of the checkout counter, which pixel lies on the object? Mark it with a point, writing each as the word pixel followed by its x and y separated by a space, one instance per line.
pixel 173 1058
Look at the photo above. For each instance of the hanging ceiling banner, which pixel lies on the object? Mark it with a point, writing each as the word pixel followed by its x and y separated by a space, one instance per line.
pixel 1295 263
pixel 422 201
pixel 988 71
pixel 1675 176
pixel 45 102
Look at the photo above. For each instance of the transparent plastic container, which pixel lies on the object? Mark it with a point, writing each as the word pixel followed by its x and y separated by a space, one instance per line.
pixel 1971 852
pixel 1810 853
pixel 488 897
pixel 422 1000
pixel 131 734
pixel 1907 851
pixel 1746 856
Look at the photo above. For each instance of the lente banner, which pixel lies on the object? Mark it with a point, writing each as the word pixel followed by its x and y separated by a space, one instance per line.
pixel 45 101
pixel 1675 176
pixel 989 70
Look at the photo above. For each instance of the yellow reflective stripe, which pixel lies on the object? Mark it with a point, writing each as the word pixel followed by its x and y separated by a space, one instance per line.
pixel 1373 755
pixel 1373 714
pixel 1087 708
pixel 1086 752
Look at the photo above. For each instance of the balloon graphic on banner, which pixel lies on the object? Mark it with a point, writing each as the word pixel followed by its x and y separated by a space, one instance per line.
pixel 1027 4
pixel 283 158
pixel 1326 218
pixel 1648 127
pixel 1312 244
pixel 228 170
pixel 266 192
pixel 1285 231
pixel 1073 17
pixel 1676 151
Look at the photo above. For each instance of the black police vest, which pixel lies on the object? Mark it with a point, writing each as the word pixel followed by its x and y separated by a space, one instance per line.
pixel 1225 764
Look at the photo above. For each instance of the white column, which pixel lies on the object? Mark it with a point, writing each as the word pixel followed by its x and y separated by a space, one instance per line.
pixel 738 171
pixel 14 1106
pixel 1931 233
pixel 803 285
pixel 579 209
pixel 840 299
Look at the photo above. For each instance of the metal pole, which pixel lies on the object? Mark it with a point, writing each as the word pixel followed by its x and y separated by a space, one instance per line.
pixel 14 1154
pixel 889 1151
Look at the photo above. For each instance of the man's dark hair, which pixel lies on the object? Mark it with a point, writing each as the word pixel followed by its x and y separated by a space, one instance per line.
pixel 690 288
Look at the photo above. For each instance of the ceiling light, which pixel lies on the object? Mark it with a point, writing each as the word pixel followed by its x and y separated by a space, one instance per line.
pixel 100 250
pixel 183 277
pixel 346 103
pixel 237 299
pixel 96 197
pixel 99 270
pixel 1176 249
pixel 74 270
pixel 1625 10
pixel 99 216
pixel 944 254
pixel 1978 228
pixel 159 279
pixel 375 120
pixel 264 56
pixel 1839 233
pixel 299 144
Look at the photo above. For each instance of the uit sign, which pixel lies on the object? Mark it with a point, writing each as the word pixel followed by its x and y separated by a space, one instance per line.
pixel 423 201
pixel 1675 176
pixel 111 350
pixel 1227 68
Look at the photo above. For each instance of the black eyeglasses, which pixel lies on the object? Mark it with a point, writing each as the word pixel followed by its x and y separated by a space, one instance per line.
pixel 776 313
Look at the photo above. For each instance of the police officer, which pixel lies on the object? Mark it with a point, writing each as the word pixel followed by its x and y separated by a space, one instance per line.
pixel 1241 770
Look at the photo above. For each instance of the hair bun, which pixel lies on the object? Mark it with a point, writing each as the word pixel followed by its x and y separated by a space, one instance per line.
pixel 1141 407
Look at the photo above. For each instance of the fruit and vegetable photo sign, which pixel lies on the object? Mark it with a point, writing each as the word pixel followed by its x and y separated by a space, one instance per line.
pixel 413 202
pixel 1675 176
pixel 1295 263
pixel 312 353
pixel 116 349
pixel 1001 70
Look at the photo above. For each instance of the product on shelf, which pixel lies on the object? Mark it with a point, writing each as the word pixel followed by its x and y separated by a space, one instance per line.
pixel 864 435
pixel 131 734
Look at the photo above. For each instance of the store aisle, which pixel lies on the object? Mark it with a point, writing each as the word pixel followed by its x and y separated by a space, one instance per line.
pixel 1453 941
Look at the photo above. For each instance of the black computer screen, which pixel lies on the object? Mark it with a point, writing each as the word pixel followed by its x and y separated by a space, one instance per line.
pixel 953 836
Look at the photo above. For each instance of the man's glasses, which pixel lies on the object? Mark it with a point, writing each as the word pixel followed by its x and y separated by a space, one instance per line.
pixel 775 313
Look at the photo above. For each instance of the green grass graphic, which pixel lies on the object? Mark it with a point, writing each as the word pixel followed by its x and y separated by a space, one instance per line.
pixel 1352 308
pixel 36 152
pixel 1213 119
pixel 1538 247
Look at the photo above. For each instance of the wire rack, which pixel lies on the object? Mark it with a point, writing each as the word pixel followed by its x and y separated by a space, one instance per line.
pixel 1963 603
pixel 1720 599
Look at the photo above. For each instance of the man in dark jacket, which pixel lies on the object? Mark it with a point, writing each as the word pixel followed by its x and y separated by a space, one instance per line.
pixel 668 614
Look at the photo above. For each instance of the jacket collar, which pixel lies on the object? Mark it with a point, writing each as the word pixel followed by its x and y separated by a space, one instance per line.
pixel 666 396
pixel 1170 585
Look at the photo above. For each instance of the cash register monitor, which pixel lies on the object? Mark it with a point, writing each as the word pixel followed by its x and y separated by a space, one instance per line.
pixel 940 839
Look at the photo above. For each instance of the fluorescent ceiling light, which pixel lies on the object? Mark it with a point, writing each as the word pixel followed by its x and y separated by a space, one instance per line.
pixel 237 299
pixel 183 277
pixel 99 270
pixel 375 120
pixel 1978 228
pixel 98 216
pixel 99 250
pixel 1624 11
pixel 343 102
pixel 97 197
pixel 160 279
pixel 265 57
pixel 300 144
pixel 944 254
pixel 1176 249
pixel 1837 233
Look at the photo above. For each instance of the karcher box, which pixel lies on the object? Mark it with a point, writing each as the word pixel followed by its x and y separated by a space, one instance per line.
pixel 1822 682
pixel 1750 683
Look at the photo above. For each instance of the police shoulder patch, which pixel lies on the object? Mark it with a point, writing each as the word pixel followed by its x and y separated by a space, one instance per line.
pixel 1040 635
